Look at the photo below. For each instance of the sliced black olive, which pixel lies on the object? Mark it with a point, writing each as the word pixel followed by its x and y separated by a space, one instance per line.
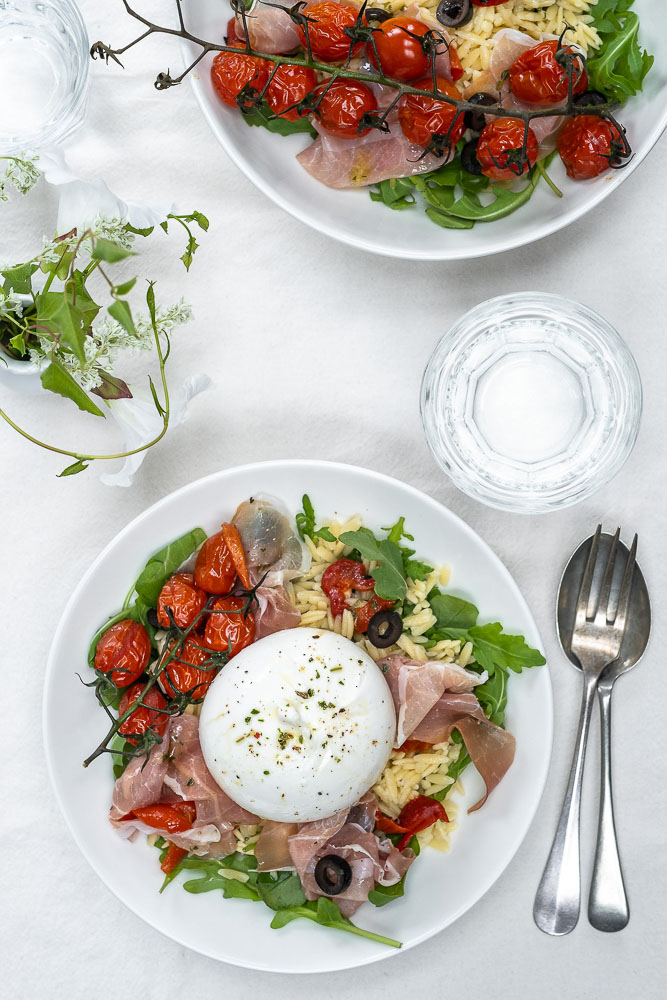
pixel 454 13
pixel 476 119
pixel 588 98
pixel 377 14
pixel 469 159
pixel 333 874
pixel 152 619
pixel 384 628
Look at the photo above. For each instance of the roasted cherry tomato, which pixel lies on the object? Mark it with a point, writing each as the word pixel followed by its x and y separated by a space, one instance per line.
pixel 327 22
pixel 387 824
pixel 228 628
pixel 232 538
pixel 145 715
pixel 231 71
pixel 289 85
pixel 500 149
pixel 400 48
pixel 540 75
pixel 183 598
pixel 418 814
pixel 340 579
pixel 232 39
pixel 215 571
pixel 172 817
pixel 184 674
pixel 342 107
pixel 589 145
pixel 427 121
pixel 172 858
pixel 364 614
pixel 123 651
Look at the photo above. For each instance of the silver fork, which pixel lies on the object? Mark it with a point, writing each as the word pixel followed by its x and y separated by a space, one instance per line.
pixel 596 641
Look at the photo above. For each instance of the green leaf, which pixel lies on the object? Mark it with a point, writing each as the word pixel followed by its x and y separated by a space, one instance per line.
pixel 150 301
pixel 85 304
pixel 17 343
pixel 120 310
pixel 447 221
pixel 383 894
pixel 118 742
pixel 396 533
pixel 453 612
pixel 139 232
pixel 493 648
pixel 108 251
pixel 395 192
pixel 126 287
pixel 56 311
pixel 73 469
pixel 492 695
pixel 325 912
pixel 57 379
pixel 416 569
pixel 305 522
pixel 389 575
pixel 280 889
pixel 19 278
pixel 111 387
pixel 262 115
pixel 164 564
pixel 201 220
pixel 619 67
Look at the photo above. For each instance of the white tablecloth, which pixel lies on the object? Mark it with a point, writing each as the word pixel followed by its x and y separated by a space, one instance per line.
pixel 317 351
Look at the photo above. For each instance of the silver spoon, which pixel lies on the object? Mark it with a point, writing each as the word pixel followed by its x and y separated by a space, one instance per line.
pixel 595 633
pixel 608 908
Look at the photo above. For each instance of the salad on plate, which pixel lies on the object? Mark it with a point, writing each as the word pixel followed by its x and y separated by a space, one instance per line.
pixel 455 106
pixel 292 709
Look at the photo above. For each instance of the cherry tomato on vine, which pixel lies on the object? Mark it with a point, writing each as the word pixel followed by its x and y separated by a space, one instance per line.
pixel 123 651
pixel 589 145
pixel 183 674
pixel 422 118
pixel 288 86
pixel 400 48
pixel 540 75
pixel 500 149
pixel 183 598
pixel 144 716
pixel 340 579
pixel 231 71
pixel 215 571
pixel 228 628
pixel 327 22
pixel 343 105
pixel 172 817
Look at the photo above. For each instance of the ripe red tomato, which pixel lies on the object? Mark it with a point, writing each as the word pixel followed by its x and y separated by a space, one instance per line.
pixel 500 149
pixel 231 631
pixel 172 817
pixel 123 651
pixel 143 716
pixel 340 579
pixel 400 51
pixel 343 105
pixel 363 614
pixel 231 71
pixel 214 569
pixel 589 145
pixel 183 673
pixel 327 22
pixel 289 85
pixel 539 76
pixel 419 813
pixel 422 118
pixel 183 598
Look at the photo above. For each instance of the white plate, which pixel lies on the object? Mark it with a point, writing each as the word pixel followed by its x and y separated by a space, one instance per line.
pixel 440 887
pixel 350 216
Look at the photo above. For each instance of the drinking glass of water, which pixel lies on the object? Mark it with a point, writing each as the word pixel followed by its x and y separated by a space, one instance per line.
pixel 43 72
pixel 531 402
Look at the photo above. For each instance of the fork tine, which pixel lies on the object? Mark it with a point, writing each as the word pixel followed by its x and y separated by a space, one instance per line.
pixel 626 587
pixel 603 612
pixel 587 580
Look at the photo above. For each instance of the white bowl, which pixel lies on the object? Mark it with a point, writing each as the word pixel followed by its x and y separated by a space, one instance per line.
pixel 440 887
pixel 269 161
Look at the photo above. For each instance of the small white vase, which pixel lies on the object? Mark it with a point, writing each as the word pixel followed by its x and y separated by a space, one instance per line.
pixel 21 376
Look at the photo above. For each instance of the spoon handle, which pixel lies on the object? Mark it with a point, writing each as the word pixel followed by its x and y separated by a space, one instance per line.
pixel 608 908
pixel 556 907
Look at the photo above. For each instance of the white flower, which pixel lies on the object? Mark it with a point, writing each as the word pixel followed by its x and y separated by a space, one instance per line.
pixel 20 172
pixel 11 302
pixel 140 423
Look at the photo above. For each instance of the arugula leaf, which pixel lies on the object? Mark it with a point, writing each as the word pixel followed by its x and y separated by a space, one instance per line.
pixel 397 532
pixel 389 575
pixel 453 612
pixel 619 67
pixel 416 569
pixel 118 742
pixel 305 522
pixel 494 649
pixel 57 379
pixel 262 115
pixel 280 890
pixel 164 564
pixel 325 912
pixel 396 193
pixel 492 696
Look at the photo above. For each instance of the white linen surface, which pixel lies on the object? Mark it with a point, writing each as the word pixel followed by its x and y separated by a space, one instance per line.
pixel 317 351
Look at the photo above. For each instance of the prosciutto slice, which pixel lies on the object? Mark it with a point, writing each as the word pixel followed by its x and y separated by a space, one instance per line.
pixel 417 686
pixel 272 847
pixel 141 782
pixel 491 748
pixel 271 545
pixel 275 612
pixel 270 29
